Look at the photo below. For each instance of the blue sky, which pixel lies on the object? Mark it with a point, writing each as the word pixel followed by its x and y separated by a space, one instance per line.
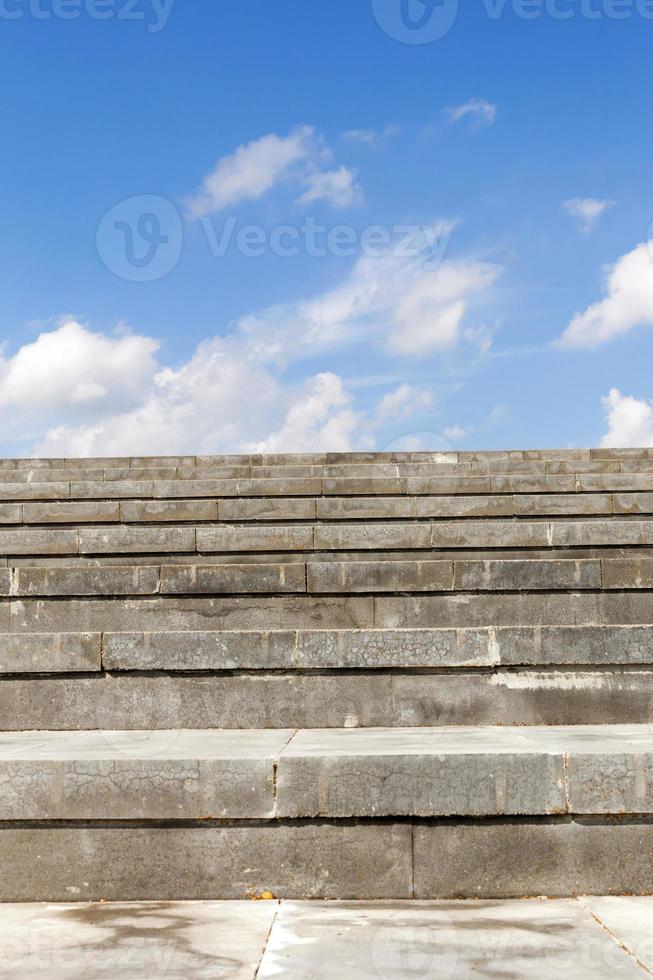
pixel 518 151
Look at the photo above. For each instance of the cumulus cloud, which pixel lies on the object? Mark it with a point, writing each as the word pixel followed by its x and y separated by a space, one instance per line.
pixel 74 391
pixel 454 433
pixel 251 171
pixel 405 302
pixel 629 420
pixel 627 304
pixel 586 211
pixel 479 111
pixel 255 169
pixel 403 402
pixel 338 187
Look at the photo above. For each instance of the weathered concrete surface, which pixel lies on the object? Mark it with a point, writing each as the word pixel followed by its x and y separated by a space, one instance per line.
pixel 447 941
pixel 51 653
pixel 629 920
pixel 592 939
pixel 133 862
pixel 114 941
pixel 282 699
pixel 528 857
pixel 111 775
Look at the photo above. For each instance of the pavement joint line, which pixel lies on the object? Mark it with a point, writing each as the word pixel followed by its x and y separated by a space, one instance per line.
pixel 614 937
pixel 267 939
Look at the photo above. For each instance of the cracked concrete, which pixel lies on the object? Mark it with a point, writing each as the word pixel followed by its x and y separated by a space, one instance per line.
pixel 588 938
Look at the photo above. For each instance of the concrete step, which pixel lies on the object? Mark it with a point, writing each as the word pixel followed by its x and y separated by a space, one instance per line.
pixel 405 536
pixel 196 485
pixel 376 470
pixel 330 578
pixel 354 698
pixel 244 775
pixel 296 509
pixel 445 610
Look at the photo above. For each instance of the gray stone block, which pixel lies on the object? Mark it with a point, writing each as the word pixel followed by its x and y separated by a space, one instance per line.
pixel 490 534
pixel 187 613
pixel 158 702
pixel 379 649
pixel 142 511
pixel 516 575
pixel 481 506
pixel 65 512
pixel 522 697
pixel 427 772
pixel 135 540
pixel 216 579
pixel 268 509
pixel 11 513
pixel 297 860
pixel 34 491
pixel 50 653
pixel 567 504
pixel 633 503
pixel 447 485
pixel 371 537
pixel 90 580
pixel 520 609
pixel 601 533
pixel 380 576
pixel 31 541
pixel 138 775
pixel 251 538
pixel 513 858
pixel 628 573
pixel 365 508
pixel 363 486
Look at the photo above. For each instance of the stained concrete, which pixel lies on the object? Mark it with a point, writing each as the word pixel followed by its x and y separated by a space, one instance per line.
pixel 588 939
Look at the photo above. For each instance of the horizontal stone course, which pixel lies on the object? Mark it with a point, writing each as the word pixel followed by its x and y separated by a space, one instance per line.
pixel 342 773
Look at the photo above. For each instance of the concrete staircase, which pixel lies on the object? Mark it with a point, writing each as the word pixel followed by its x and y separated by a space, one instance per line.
pixel 339 676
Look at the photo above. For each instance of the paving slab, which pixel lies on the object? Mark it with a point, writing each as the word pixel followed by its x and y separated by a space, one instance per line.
pixel 630 921
pixel 537 940
pixel 113 941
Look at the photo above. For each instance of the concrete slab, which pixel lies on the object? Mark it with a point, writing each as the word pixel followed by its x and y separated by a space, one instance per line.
pixel 397 941
pixel 630 921
pixel 139 941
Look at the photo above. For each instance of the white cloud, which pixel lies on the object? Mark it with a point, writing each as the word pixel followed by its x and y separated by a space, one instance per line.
pixel 320 419
pixel 79 374
pixel 338 187
pixel 371 137
pixel 77 392
pixel 628 302
pixel 454 433
pixel 630 421
pixel 405 304
pixel 479 111
pixel 403 403
pixel 256 168
pixel 587 211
